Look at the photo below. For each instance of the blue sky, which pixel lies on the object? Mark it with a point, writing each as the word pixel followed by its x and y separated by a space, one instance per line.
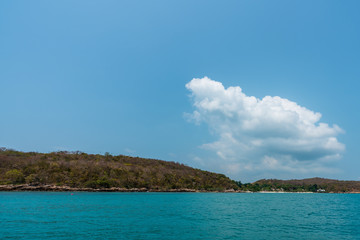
pixel 110 76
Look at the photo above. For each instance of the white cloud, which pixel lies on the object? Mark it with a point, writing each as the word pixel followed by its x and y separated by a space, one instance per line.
pixel 271 134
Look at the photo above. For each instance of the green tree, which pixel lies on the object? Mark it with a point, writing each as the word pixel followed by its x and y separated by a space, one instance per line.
pixel 15 176
pixel 313 188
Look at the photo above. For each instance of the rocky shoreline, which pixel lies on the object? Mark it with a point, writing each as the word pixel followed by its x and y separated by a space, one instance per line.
pixel 54 188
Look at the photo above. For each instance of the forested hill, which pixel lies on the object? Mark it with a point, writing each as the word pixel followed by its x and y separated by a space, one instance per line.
pixel 81 170
pixel 302 185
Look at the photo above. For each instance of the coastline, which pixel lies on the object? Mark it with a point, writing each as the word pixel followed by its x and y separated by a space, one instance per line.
pixel 54 188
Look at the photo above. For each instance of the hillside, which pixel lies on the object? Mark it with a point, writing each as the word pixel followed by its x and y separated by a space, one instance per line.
pixel 309 184
pixel 94 171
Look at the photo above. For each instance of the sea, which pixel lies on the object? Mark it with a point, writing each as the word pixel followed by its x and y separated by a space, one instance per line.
pixel 99 215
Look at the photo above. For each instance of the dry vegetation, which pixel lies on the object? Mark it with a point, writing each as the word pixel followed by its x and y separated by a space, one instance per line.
pixel 81 170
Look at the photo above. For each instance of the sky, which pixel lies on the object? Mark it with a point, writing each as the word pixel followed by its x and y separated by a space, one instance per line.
pixel 250 89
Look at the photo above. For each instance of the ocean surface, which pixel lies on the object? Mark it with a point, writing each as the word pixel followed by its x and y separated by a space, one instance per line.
pixel 80 215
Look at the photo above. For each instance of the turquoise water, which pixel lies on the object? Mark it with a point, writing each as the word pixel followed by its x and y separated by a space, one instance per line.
pixel 47 215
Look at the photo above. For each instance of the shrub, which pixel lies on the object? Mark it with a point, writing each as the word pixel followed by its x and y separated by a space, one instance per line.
pixel 15 176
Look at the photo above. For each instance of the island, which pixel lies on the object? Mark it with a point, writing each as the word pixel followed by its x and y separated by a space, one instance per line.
pixel 78 171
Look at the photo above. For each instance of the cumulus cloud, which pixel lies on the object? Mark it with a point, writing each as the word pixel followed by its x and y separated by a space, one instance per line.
pixel 271 134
